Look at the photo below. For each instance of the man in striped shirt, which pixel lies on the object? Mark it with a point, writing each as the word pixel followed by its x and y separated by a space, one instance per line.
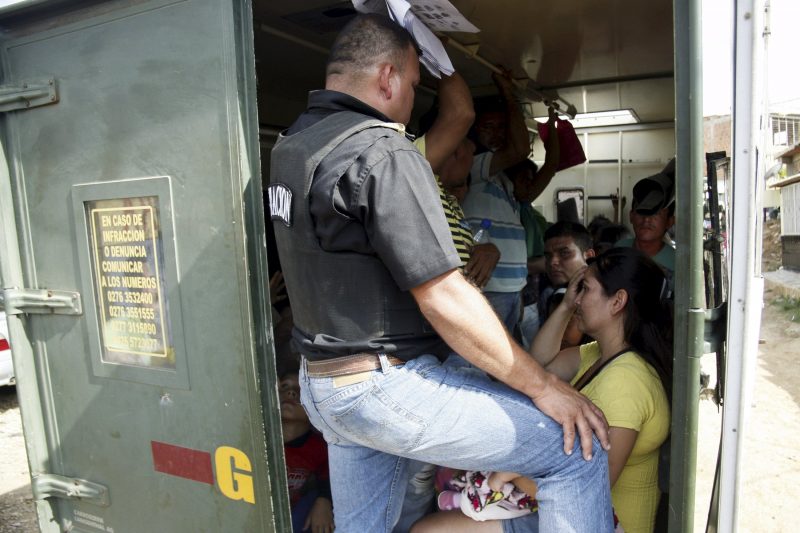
pixel 503 133
pixel 448 150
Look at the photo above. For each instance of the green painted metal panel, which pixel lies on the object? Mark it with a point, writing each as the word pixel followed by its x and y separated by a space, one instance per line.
pixel 689 278
pixel 138 189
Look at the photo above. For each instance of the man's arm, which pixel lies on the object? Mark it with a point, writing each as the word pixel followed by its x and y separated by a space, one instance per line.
pixel 552 155
pixel 518 144
pixel 454 307
pixel 453 120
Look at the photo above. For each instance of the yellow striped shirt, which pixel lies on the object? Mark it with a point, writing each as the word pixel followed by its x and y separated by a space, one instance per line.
pixel 459 229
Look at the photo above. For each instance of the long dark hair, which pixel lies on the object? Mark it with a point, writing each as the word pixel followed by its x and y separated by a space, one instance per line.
pixel 648 313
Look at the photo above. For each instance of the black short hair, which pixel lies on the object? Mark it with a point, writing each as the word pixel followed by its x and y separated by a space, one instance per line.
pixel 566 228
pixel 366 40
pixel 611 233
pixel 597 223
pixel 525 164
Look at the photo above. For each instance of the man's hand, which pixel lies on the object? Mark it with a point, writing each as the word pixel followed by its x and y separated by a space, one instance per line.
pixel 277 288
pixel 320 518
pixel 483 258
pixel 572 410
pixel 504 82
pixel 552 115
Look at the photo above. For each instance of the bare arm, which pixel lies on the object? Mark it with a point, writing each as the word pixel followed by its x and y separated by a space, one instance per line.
pixel 454 307
pixel 546 346
pixel 622 442
pixel 453 120
pixel 518 144
pixel 552 155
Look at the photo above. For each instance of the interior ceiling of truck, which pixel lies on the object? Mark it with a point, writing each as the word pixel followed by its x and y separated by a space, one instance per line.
pixel 597 55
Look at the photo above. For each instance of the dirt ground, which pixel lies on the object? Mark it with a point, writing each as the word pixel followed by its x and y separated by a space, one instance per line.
pixel 16 501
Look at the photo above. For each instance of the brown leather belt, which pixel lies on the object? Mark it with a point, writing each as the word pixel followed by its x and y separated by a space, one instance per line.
pixel 348 364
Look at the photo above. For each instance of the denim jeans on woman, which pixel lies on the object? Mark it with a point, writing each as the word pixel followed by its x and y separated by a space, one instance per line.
pixel 451 417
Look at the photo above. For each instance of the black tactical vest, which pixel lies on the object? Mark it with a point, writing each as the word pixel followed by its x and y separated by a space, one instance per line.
pixel 337 296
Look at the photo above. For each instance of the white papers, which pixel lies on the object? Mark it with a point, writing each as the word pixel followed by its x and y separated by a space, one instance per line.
pixel 419 17
pixel 440 15
pixel 433 56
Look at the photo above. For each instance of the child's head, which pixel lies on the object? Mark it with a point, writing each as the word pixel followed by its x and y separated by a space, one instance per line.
pixel 289 390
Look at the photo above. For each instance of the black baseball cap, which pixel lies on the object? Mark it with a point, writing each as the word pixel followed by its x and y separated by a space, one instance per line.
pixel 653 193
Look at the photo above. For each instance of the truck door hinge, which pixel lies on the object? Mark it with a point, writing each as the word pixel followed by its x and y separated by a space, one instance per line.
pixel 27 95
pixel 40 302
pixel 46 486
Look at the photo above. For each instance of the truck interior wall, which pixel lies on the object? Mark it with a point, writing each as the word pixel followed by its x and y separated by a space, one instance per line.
pixel 643 153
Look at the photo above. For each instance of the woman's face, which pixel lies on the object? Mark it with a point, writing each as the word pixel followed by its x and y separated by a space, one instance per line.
pixel 594 308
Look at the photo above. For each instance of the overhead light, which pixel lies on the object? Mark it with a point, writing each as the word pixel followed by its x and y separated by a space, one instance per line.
pixel 618 117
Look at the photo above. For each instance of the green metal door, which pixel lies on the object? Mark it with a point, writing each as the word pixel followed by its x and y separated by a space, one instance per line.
pixel 132 266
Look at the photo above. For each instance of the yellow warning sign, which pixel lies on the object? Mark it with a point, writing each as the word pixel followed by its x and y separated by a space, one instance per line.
pixel 128 269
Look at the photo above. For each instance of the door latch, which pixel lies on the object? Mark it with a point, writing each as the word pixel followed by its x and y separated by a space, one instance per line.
pixel 52 486
pixel 27 95
pixel 40 302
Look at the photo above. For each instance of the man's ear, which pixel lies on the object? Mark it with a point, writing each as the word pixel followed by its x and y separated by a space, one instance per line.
pixel 589 253
pixel 670 221
pixel 385 74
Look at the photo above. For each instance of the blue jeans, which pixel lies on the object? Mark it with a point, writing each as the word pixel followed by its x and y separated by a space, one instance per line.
pixel 507 305
pixel 452 417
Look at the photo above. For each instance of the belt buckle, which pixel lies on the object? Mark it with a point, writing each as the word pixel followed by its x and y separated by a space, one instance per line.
pixel 351 379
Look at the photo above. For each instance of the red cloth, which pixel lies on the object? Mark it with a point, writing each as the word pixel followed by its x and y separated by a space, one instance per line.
pixel 306 458
pixel 569 145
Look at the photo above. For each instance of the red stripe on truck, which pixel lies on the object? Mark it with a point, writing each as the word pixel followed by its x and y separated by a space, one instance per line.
pixel 182 462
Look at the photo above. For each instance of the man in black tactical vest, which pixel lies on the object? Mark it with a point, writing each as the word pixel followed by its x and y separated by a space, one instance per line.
pixel 371 272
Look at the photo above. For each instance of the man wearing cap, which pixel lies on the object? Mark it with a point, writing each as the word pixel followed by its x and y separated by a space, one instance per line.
pixel 371 271
pixel 652 214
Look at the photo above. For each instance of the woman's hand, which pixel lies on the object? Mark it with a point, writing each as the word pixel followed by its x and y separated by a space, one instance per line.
pixel 320 518
pixel 574 288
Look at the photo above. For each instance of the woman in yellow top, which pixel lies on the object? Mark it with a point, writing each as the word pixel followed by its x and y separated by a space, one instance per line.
pixel 619 300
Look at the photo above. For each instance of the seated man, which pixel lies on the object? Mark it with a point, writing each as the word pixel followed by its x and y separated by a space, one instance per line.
pixel 567 246
pixel 652 215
